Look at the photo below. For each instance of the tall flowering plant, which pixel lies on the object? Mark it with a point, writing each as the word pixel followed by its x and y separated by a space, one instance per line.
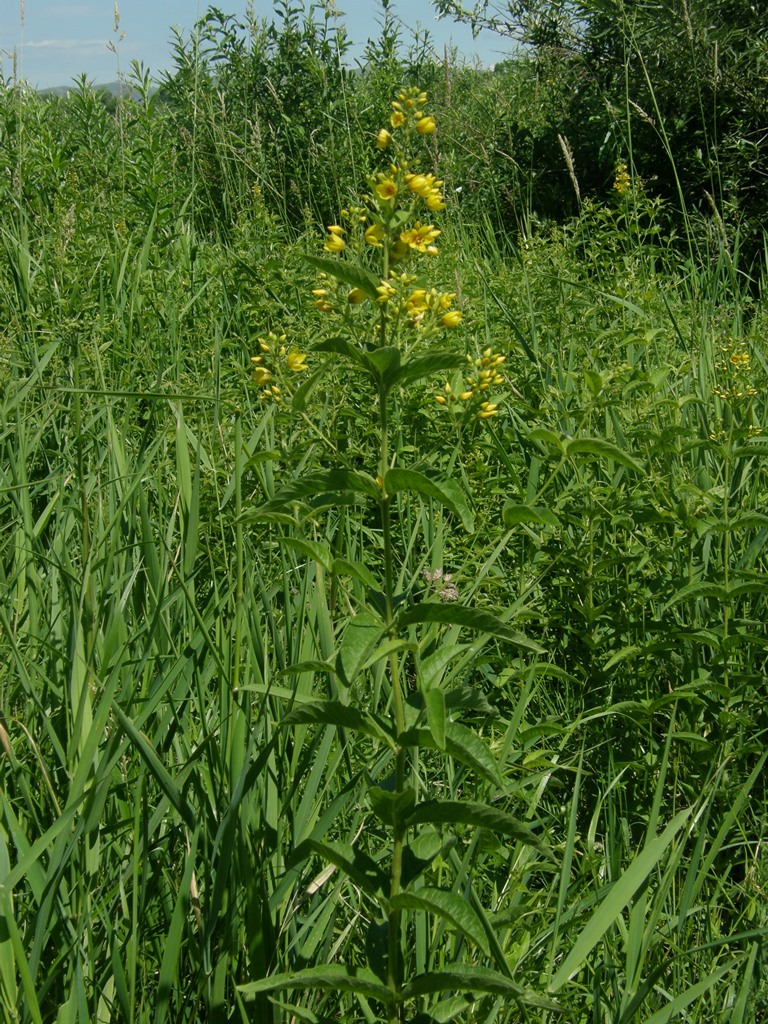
pixel 375 283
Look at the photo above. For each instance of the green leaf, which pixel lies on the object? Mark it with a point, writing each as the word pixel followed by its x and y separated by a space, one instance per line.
pixel 467 978
pixel 619 895
pixel 424 366
pixel 330 712
pixel 601 449
pixel 465 812
pixel 358 866
pixel 689 995
pixel 460 743
pixel 342 347
pixel 391 807
pixel 514 513
pixel 459 615
pixel 334 480
pixel 337 977
pixel 450 907
pixel 548 437
pixel 434 702
pixel 303 391
pixel 156 767
pixel 384 364
pixel 692 591
pixel 361 636
pixel 167 979
pixel 440 488
pixel 349 273
pixel 344 567
pixel 432 669
pixel 319 553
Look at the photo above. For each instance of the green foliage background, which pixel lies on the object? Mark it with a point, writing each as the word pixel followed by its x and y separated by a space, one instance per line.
pixel 164 841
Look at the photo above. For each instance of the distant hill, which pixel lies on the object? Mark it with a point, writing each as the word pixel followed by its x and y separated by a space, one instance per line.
pixel 116 89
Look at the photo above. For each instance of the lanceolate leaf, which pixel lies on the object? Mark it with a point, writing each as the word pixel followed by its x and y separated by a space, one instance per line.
pixel 599 448
pixel 359 867
pixel 440 488
pixel 474 618
pixel 465 812
pixel 336 480
pixel 319 553
pixel 460 743
pixel 337 977
pixel 423 366
pixel 354 276
pixel 467 978
pixel 331 712
pixel 539 515
pixel 449 906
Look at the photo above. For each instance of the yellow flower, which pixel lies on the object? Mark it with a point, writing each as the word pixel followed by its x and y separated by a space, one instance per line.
pixel 383 139
pixel 297 361
pixel 417 183
pixel 417 301
pixel 356 296
pixel 397 119
pixel 261 375
pixel 487 409
pixel 452 318
pixel 323 305
pixel 435 201
pixel 334 243
pixel 420 236
pixel 386 190
pixel 334 229
pixel 425 125
pixel 385 292
pixel 374 234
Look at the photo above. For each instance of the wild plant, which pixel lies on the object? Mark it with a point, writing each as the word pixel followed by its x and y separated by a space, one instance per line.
pixel 434 781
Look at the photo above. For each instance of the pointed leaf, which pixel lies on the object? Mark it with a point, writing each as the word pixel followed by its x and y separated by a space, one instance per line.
pixel 390 806
pixel 450 907
pixel 361 636
pixel 440 488
pixel 330 712
pixel 423 366
pixel 467 978
pixel 349 273
pixel 319 553
pixel 318 483
pixel 462 744
pixel 460 615
pixel 465 812
pixel 337 977
pixel 357 865
pixel 601 449
pixel 514 513
pixel 434 702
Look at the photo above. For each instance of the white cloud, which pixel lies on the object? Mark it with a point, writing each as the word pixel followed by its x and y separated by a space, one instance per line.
pixel 81 46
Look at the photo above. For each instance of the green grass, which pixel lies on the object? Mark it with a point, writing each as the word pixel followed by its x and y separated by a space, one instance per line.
pixel 179 823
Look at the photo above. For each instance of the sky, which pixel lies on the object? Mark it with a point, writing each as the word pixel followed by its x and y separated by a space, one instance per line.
pixel 50 42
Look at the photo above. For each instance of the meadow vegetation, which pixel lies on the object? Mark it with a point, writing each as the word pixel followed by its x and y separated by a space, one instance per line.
pixel 383 549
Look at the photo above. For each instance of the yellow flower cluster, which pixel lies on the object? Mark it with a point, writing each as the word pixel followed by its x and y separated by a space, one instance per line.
pixel 735 368
pixel 622 181
pixel 389 223
pixel 484 374
pixel 273 345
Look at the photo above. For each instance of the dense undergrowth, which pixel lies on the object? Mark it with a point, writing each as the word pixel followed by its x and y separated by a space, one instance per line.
pixel 180 823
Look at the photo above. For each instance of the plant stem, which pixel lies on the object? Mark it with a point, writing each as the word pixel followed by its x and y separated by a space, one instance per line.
pixel 398 712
